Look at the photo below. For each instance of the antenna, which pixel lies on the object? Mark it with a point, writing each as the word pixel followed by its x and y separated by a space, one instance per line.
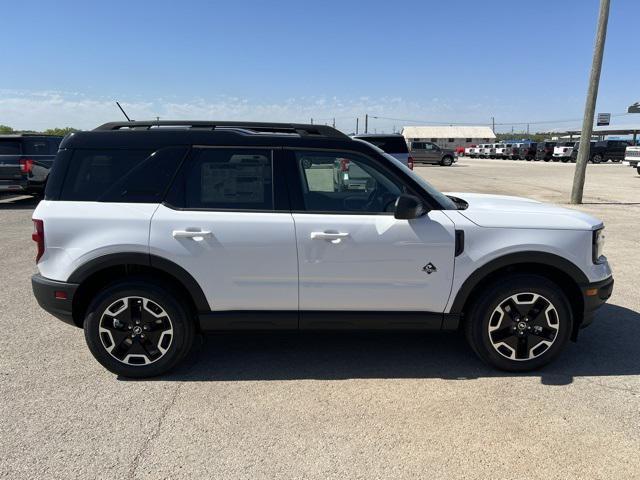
pixel 123 112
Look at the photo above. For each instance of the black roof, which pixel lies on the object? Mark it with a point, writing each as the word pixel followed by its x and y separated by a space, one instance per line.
pixel 144 134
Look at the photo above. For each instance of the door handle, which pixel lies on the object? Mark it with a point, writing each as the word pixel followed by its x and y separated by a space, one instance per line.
pixel 195 234
pixel 334 237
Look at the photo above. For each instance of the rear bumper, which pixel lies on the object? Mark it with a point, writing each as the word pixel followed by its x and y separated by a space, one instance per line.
pixel 48 293
pixel 595 295
pixel 12 186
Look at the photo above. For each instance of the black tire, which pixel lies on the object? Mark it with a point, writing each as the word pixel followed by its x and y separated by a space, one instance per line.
pixel 446 161
pixel 176 322
pixel 638 170
pixel 482 317
pixel 597 158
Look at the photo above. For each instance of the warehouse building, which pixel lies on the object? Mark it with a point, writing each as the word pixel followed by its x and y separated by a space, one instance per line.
pixel 449 136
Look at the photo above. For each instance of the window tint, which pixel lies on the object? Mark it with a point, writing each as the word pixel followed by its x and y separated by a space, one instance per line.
pixel 35 146
pixel 10 147
pixel 54 144
pixel 346 183
pixel 391 144
pixel 139 176
pixel 228 179
pixel 147 181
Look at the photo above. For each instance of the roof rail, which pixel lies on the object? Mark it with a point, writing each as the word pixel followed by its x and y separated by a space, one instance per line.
pixel 257 127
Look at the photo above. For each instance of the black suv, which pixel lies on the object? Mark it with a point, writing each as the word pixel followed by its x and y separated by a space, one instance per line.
pixel 528 151
pixel 544 150
pixel 25 161
pixel 603 151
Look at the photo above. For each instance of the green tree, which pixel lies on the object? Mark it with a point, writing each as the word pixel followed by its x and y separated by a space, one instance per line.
pixel 6 129
pixel 60 131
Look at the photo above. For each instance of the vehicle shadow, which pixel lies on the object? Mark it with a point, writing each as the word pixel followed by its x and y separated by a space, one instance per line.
pixel 611 346
pixel 18 203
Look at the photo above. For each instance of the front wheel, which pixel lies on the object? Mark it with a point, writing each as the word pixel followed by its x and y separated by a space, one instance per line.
pixel 519 323
pixel 597 158
pixel 138 328
pixel 638 169
pixel 446 162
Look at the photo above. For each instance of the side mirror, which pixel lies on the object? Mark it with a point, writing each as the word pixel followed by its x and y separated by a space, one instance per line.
pixel 408 207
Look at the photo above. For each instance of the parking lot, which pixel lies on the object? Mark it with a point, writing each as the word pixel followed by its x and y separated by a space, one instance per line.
pixel 333 405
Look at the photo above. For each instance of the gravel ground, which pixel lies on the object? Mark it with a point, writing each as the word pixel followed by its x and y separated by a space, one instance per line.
pixel 333 406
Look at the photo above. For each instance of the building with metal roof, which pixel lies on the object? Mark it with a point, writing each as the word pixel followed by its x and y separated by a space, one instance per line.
pixel 449 136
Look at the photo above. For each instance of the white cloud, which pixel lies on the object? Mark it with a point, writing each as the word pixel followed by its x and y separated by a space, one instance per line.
pixel 38 110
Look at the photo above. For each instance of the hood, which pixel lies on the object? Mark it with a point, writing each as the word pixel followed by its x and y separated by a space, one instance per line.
pixel 501 211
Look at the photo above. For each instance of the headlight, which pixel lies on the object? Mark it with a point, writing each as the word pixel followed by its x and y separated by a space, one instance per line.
pixel 598 244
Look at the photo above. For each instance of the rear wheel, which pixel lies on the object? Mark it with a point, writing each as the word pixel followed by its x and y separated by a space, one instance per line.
pixel 519 323
pixel 446 161
pixel 597 158
pixel 137 328
pixel 638 170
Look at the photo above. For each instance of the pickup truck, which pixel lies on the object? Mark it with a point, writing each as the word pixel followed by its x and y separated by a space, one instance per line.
pixel 632 157
pixel 604 151
pixel 562 151
pixel 25 161
pixel 427 152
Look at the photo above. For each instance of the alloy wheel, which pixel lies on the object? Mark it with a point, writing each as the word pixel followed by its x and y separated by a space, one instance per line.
pixel 135 331
pixel 523 326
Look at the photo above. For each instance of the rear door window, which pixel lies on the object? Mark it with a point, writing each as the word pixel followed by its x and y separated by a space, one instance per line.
pixel 54 144
pixel 226 179
pixel 390 144
pixel 10 147
pixel 35 146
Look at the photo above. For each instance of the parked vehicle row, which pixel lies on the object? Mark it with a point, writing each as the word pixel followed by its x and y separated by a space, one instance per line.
pixel 151 232
pixel 557 151
pixel 25 162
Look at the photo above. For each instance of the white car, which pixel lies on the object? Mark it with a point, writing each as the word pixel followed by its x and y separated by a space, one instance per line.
pixel 151 232
pixel 503 150
pixel 632 157
pixel 562 151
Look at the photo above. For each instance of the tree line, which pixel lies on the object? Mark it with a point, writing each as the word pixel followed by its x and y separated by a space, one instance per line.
pixel 60 131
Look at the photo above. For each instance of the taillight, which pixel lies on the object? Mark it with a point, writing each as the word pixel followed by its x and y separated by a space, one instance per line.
pixel 26 165
pixel 344 165
pixel 410 163
pixel 38 237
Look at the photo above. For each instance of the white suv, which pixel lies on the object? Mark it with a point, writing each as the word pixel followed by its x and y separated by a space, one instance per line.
pixel 150 233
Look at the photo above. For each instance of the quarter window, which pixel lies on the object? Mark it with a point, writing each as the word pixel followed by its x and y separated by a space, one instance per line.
pixel 130 176
pixel 346 183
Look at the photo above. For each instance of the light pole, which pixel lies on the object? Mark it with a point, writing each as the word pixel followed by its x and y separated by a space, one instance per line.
pixel 590 105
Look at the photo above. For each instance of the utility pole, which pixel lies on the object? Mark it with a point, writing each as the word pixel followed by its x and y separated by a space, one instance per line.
pixel 527 130
pixel 590 104
pixel 312 121
pixel 493 125
pixel 366 123
pixel 357 122
pixel 334 122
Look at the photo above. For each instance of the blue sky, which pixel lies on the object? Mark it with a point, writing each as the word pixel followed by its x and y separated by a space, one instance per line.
pixel 64 63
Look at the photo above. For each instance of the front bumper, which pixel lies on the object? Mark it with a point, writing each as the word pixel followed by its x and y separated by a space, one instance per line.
pixel 594 295
pixel 55 297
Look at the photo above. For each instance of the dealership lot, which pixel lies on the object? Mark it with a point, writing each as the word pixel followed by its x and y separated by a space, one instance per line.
pixel 333 406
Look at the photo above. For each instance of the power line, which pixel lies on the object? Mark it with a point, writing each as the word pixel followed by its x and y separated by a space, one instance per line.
pixel 536 122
